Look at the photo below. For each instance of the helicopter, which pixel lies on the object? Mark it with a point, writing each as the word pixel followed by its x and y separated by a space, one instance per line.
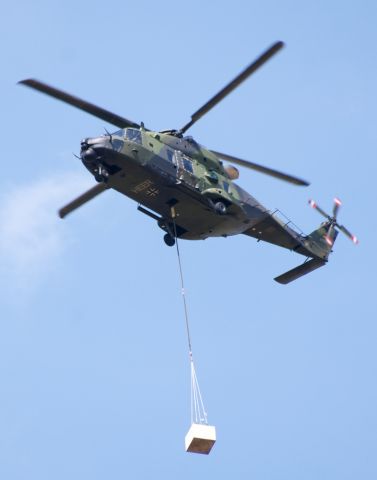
pixel 186 188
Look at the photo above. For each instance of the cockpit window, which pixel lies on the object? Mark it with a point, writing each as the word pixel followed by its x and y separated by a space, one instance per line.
pixel 133 135
pixel 117 144
pixel 118 133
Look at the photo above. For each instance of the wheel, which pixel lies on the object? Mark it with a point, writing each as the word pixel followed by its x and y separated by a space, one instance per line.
pixel 104 173
pixel 101 174
pixel 220 208
pixel 169 240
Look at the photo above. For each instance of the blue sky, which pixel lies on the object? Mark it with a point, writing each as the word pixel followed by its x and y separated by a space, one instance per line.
pixel 94 373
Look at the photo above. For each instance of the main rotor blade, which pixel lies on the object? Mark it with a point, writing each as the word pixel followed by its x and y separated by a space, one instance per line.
pixel 233 84
pixel 260 168
pixel 99 112
pixel 85 197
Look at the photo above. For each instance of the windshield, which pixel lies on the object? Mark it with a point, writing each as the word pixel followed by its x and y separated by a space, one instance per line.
pixel 133 135
pixel 118 133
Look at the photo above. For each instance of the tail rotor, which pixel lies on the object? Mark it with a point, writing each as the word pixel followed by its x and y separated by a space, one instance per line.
pixel 333 225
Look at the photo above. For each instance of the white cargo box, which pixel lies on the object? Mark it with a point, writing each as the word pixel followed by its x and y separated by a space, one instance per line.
pixel 200 438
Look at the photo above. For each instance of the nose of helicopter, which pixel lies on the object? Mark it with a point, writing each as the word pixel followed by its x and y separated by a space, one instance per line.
pixel 87 153
pixel 88 148
pixel 91 142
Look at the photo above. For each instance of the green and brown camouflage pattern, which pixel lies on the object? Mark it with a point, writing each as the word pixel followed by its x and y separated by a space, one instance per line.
pixel 160 170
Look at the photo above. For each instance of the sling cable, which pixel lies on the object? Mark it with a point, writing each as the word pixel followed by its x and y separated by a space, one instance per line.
pixel 201 436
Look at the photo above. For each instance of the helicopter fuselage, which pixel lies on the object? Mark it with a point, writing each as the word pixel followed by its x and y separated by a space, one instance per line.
pixel 160 171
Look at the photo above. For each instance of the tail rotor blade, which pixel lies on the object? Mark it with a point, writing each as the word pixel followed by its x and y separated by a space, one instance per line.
pixel 333 224
pixel 329 236
pixel 337 204
pixel 314 205
pixel 352 237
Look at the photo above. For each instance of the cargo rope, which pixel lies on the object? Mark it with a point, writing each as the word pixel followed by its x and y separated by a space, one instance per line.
pixel 198 412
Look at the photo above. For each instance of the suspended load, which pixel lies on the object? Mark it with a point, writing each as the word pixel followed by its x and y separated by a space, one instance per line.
pixel 201 437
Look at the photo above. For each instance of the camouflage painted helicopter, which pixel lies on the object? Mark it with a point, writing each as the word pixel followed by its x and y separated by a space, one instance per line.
pixel 186 187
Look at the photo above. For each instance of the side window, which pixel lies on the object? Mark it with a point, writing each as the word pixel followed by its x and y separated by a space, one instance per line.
pixel 170 155
pixel 187 165
pixel 133 135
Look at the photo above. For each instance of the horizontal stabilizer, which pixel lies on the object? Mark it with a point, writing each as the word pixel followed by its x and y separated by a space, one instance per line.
pixel 299 271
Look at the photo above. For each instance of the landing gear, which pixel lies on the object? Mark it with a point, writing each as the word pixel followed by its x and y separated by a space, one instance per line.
pixel 101 174
pixel 169 240
pixel 220 208
pixel 169 237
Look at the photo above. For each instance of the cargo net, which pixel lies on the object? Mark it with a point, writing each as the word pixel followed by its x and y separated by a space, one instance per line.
pixel 198 412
